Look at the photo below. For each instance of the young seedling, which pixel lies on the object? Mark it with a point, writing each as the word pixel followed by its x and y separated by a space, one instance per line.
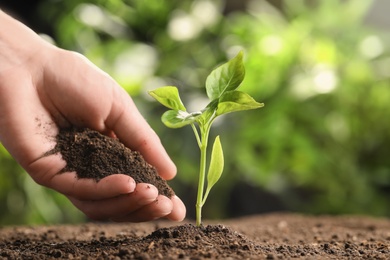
pixel 221 87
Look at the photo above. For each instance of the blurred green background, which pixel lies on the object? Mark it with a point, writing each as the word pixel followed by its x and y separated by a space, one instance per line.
pixel 321 144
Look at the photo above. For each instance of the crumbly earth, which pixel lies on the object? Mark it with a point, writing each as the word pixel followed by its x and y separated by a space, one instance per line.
pixel 93 155
pixel 272 236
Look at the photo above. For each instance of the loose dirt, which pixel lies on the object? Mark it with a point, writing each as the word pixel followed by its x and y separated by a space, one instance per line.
pixel 93 155
pixel 272 236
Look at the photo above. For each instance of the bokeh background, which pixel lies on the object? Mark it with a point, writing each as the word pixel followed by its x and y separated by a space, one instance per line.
pixel 321 144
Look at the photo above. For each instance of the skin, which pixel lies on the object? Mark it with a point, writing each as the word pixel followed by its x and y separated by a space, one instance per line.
pixel 44 88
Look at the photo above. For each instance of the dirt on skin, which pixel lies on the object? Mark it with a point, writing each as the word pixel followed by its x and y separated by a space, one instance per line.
pixel 93 155
pixel 272 236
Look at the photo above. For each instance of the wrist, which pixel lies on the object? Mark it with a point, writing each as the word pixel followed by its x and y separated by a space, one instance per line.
pixel 18 43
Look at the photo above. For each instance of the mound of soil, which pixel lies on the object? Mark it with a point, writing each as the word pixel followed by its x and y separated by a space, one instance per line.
pixel 93 155
pixel 273 236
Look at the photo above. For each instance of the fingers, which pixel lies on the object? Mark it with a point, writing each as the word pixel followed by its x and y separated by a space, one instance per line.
pixel 144 195
pixel 89 189
pixel 172 209
pixel 178 212
pixel 159 208
pixel 144 204
pixel 115 197
pixel 47 172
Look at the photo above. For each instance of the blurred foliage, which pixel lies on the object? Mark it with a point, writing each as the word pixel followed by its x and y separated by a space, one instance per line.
pixel 321 143
pixel 22 201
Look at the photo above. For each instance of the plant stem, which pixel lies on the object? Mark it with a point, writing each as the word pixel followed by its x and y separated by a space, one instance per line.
pixel 202 176
pixel 204 133
pixel 196 135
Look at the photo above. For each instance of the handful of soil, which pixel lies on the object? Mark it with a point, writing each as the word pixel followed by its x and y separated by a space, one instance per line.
pixel 93 155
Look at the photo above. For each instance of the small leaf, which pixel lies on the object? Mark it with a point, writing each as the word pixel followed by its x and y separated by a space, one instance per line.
pixel 232 101
pixel 169 97
pixel 226 77
pixel 216 164
pixel 177 118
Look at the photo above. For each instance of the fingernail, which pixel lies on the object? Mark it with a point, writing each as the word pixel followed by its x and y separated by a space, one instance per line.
pixel 149 194
pixel 131 185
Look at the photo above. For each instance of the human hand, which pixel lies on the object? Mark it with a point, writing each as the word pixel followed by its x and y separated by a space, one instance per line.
pixel 43 88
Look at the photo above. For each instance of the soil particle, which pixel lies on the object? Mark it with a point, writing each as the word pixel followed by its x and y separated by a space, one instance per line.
pixel 93 155
pixel 273 236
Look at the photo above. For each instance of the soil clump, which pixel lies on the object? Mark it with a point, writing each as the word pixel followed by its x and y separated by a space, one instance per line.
pixel 93 155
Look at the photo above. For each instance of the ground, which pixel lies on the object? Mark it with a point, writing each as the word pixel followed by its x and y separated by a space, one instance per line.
pixel 272 236
pixel 269 236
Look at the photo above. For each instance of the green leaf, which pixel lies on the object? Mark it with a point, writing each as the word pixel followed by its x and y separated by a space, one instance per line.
pixel 232 101
pixel 216 164
pixel 226 77
pixel 177 118
pixel 169 97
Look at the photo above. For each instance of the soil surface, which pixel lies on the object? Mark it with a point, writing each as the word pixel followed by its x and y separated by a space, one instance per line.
pixel 272 236
pixel 93 155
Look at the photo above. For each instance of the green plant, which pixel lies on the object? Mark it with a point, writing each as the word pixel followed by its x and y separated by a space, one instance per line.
pixel 221 87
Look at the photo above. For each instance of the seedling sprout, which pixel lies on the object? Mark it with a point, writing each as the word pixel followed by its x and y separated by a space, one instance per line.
pixel 221 88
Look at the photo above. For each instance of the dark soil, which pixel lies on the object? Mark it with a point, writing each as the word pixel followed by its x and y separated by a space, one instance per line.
pixel 273 236
pixel 93 155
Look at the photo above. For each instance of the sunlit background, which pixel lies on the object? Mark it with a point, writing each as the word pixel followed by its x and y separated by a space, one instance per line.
pixel 321 144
